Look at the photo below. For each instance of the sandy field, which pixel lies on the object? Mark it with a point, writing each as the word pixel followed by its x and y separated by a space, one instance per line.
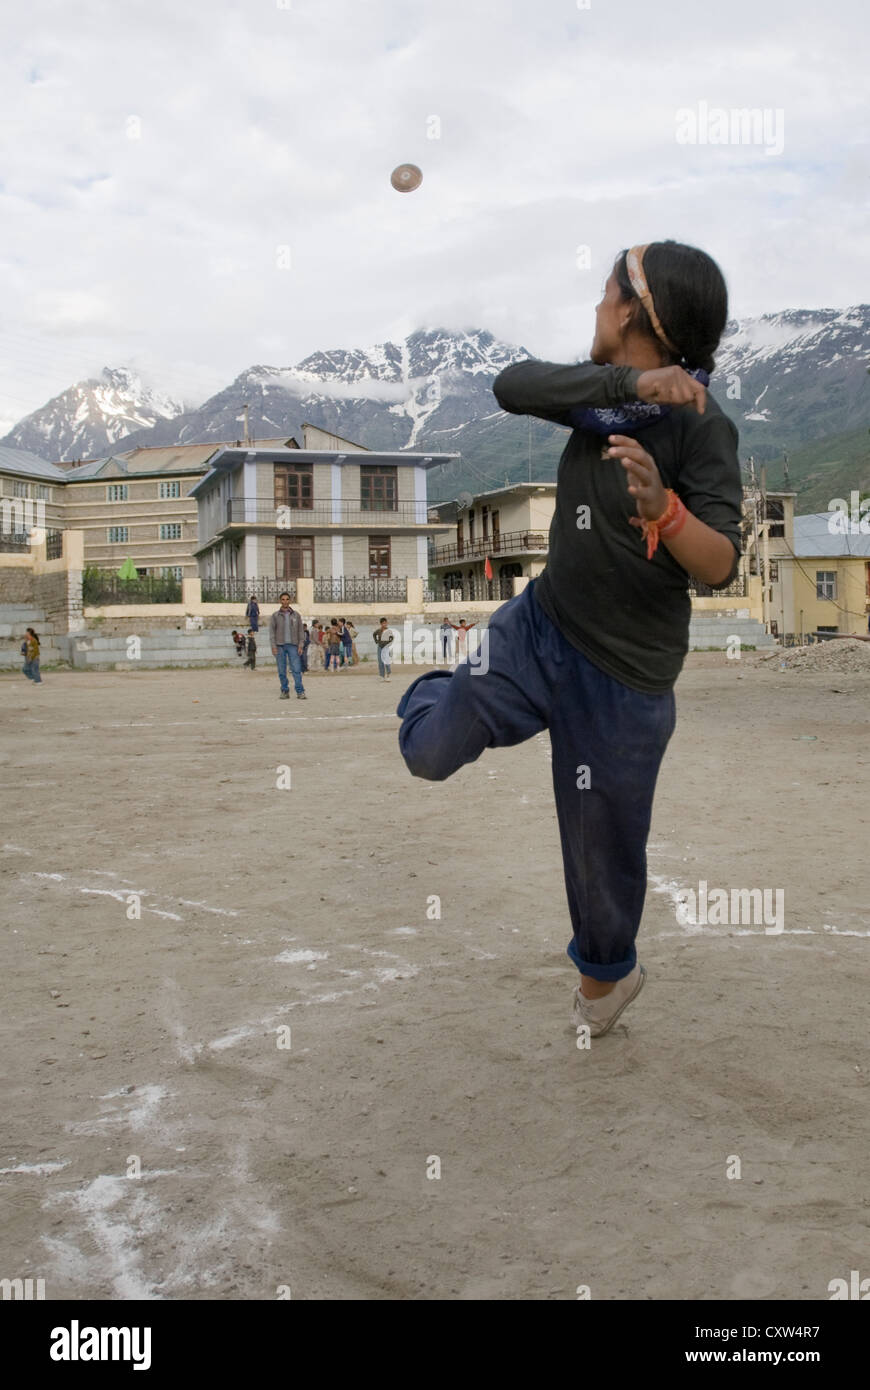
pixel 249 1090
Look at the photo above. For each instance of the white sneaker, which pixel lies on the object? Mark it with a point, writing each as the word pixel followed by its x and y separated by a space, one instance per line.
pixel 599 1015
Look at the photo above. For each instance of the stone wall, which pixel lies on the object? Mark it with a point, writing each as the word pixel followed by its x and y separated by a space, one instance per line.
pixel 59 595
pixel 16 586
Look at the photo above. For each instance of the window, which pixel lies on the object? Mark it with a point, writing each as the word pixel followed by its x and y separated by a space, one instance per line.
pixel 43 492
pixel 294 487
pixel 21 490
pixel 172 572
pixel 294 557
pixel 170 531
pixel 117 535
pixel 165 490
pixel 826 584
pixel 116 492
pixel 379 557
pixel 459 540
pixel 827 629
pixel 773 566
pixel 378 488
pixel 471 529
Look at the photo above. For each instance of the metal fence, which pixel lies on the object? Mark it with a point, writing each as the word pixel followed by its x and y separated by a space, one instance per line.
pixel 99 588
pixel 14 540
pixel 240 590
pixel 356 590
pixel 472 590
pixel 737 589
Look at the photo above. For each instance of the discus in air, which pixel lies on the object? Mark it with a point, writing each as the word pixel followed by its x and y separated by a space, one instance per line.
pixel 406 177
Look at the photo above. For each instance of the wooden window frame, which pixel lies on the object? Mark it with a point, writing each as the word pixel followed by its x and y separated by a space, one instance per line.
pixel 378 478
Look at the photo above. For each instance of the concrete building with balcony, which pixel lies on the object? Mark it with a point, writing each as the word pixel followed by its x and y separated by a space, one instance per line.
pixel 137 503
pixel 354 521
pixel 510 526
pixel 31 496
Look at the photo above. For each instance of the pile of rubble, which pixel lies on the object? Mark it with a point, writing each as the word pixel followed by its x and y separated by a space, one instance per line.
pixel 848 654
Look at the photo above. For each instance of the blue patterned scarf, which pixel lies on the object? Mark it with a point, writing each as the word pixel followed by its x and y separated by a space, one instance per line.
pixel 627 418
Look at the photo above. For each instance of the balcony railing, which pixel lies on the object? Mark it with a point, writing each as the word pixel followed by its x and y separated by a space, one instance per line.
pixel 353 590
pixel 241 511
pixel 506 543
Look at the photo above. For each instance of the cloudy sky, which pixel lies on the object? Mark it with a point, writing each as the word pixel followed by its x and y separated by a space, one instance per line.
pixel 191 188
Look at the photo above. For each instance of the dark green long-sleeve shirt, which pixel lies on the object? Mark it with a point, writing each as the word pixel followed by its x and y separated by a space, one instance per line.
pixel 627 614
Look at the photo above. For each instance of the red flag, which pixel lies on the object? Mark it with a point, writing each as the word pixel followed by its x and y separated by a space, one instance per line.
pixel 487 569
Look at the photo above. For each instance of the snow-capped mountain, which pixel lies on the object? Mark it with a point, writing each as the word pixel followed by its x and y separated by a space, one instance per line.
pixel 87 419
pixel 801 375
pixel 787 379
pixel 416 394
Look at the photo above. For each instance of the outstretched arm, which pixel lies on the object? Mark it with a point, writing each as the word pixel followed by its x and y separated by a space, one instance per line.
pixel 550 391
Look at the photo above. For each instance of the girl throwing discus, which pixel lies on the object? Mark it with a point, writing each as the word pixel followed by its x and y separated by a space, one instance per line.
pixel 648 493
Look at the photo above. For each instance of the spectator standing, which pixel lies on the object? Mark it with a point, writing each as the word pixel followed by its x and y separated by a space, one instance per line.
pixel 286 637
pixel 30 648
pixel 315 650
pixel 346 641
pixel 333 645
pixel 384 643
pixel 252 613
pixel 252 650
pixel 446 639
pixel 462 631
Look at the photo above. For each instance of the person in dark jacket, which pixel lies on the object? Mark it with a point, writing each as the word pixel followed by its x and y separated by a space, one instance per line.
pixel 648 494
pixel 251 650
pixel 252 613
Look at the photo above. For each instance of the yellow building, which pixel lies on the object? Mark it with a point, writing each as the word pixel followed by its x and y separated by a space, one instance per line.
pixel 829 575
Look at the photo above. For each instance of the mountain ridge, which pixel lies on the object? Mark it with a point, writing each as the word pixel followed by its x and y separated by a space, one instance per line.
pixel 789 380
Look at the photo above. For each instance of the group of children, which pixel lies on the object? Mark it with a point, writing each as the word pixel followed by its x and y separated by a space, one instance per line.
pixel 333 646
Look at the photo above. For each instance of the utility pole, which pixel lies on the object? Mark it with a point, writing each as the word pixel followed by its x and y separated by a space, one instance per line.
pixel 765 556
pixel 530 448
pixel 245 407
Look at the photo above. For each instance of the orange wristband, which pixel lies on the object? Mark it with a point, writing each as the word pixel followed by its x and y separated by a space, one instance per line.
pixel 671 521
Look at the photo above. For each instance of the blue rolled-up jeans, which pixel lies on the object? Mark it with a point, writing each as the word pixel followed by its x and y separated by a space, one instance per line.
pixel 288 651
pixel 607 741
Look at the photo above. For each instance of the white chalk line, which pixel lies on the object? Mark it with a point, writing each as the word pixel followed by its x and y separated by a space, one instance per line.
pixel 36 1170
pixel 122 894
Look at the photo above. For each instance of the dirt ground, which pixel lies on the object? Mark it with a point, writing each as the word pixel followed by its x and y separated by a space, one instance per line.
pixel 305 1161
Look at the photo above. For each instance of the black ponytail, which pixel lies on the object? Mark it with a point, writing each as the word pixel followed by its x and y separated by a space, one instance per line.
pixel 690 298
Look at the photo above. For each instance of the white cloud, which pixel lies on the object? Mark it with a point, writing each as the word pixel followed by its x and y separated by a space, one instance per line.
pixel 257 128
